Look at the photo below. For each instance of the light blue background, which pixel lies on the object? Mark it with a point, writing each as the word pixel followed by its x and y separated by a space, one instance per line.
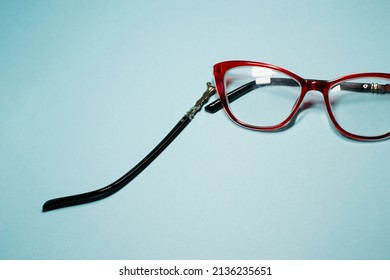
pixel 90 87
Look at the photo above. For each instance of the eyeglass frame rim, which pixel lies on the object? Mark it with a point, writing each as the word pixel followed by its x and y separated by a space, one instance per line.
pixel 323 86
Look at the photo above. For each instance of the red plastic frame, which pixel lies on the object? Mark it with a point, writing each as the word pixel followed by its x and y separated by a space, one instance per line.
pixel 306 85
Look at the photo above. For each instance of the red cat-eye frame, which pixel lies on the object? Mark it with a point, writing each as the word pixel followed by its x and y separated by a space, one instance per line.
pixel 219 71
pixel 306 85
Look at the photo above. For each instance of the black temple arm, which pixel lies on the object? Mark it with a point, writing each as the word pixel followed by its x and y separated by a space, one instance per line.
pixel 365 87
pixel 112 188
pixel 121 182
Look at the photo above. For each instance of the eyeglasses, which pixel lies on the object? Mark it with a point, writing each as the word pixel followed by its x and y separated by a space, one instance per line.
pixel 265 97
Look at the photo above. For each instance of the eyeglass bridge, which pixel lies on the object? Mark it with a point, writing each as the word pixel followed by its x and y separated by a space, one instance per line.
pixel 318 85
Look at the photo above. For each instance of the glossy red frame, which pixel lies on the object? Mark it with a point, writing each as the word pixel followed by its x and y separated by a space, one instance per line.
pixel 306 85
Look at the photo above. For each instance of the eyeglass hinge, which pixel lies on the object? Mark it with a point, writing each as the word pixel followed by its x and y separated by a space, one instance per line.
pixel 375 87
pixel 203 100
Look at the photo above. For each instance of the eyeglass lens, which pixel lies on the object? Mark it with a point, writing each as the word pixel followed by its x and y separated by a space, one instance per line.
pixel 362 106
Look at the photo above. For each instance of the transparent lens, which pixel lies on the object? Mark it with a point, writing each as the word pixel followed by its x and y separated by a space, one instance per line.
pixel 260 96
pixel 362 106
